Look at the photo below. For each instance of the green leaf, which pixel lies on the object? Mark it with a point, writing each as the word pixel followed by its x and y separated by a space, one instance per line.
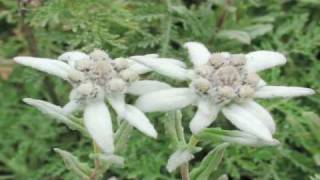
pixel 209 164
pixel 179 157
pixel 121 136
pixel 213 135
pixel 258 30
pixel 57 113
pixel 73 164
pixel 240 36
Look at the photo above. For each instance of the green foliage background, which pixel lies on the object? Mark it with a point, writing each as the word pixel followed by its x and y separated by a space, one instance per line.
pixel 124 28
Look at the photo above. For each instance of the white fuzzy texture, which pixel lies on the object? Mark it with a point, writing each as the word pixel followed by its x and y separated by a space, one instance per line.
pixel 198 53
pixel 205 115
pixel 260 113
pixel 166 100
pixel 244 138
pixel 48 108
pixel 137 119
pixel 282 91
pixel 163 66
pixel 146 86
pixel 117 101
pixel 178 158
pixel 113 159
pixel 49 66
pixel 138 67
pixel 261 60
pixel 98 122
pixel 141 69
pixel 261 83
pixel 246 121
pixel 72 106
pixel 72 57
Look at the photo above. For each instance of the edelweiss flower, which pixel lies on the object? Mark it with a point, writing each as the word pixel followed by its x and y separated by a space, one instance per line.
pixel 221 82
pixel 96 78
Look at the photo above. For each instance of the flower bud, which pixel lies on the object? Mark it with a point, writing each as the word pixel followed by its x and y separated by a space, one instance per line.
pixel 226 92
pixel 252 79
pixel 202 85
pixel 217 60
pixel 246 91
pixel 117 85
pixel 76 76
pixel 129 75
pixel 84 65
pixel 203 70
pixel 238 60
pixel 89 91
pixel 121 64
pixel 99 55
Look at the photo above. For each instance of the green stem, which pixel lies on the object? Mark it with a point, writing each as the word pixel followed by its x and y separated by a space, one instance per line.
pixel 175 130
pixel 193 141
pixel 97 163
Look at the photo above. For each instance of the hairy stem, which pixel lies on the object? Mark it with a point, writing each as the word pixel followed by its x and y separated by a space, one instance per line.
pixel 97 163
pixel 184 171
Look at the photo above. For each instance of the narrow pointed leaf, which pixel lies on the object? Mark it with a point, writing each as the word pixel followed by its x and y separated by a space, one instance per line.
pixel 214 135
pixel 73 164
pixel 210 163
pixel 178 158
pixel 57 113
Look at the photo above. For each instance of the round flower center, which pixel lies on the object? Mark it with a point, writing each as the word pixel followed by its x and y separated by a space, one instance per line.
pixel 100 76
pixel 225 79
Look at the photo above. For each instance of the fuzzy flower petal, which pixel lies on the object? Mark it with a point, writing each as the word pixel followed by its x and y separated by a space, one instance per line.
pixel 178 158
pixel 146 86
pixel 260 113
pixel 51 110
pixel 49 66
pixel 141 69
pixel 205 115
pixel 261 83
pixel 246 122
pixel 163 66
pixel 282 91
pixel 244 138
pixel 261 60
pixel 137 67
pixel 98 122
pixel 166 100
pixel 72 106
pixel 117 101
pixel 73 56
pixel 137 119
pixel 198 53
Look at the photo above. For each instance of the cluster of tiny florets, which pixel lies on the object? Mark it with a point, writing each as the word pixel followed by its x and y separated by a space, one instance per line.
pixel 225 78
pixel 99 75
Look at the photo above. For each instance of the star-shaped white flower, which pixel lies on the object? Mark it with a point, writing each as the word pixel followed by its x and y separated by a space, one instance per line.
pixel 221 82
pixel 95 77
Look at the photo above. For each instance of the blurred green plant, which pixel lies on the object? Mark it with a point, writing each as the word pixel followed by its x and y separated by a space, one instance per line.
pixel 47 28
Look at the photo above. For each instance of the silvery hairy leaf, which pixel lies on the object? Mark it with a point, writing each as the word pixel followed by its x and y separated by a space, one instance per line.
pixel 210 163
pixel 73 164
